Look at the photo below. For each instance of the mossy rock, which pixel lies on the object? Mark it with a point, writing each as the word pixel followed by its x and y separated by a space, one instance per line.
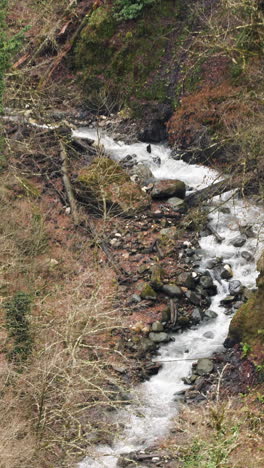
pixel 105 184
pixel 164 189
pixel 148 292
pixel 157 274
pixel 247 325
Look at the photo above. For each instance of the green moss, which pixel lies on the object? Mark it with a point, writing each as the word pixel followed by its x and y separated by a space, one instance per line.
pixel 157 274
pixel 101 173
pixel 106 186
pixel 248 322
pixel 126 62
pixel 148 292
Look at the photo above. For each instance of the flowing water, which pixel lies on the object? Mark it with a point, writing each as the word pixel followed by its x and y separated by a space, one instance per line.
pixel 148 418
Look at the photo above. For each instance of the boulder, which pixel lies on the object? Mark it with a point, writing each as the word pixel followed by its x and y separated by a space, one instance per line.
pixel 209 335
pixel 165 189
pixel 226 272
pixel 227 300
pixel 141 174
pixel 247 256
pixel 210 315
pixel 172 290
pixel 235 287
pixel 239 241
pixel 161 337
pixel 204 366
pixel 157 327
pixel 206 281
pixel 154 132
pixel 177 203
pixel 196 316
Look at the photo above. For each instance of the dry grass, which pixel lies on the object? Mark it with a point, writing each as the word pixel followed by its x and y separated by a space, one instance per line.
pixel 227 434
pixel 59 401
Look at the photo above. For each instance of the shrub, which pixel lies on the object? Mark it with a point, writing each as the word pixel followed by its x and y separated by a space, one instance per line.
pixel 16 311
pixel 130 9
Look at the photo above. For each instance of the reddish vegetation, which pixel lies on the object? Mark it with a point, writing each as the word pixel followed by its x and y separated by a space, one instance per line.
pixel 212 107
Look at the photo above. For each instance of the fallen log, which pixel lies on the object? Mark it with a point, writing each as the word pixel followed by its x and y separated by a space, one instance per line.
pixel 194 199
pixel 217 236
pixel 67 184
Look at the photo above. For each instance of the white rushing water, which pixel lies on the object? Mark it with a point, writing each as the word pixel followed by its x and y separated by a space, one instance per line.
pixel 147 419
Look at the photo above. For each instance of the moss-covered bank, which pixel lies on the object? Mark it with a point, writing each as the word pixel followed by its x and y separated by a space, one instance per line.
pixel 131 61
pixel 247 326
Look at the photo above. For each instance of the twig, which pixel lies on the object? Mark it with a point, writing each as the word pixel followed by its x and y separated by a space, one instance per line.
pixel 67 184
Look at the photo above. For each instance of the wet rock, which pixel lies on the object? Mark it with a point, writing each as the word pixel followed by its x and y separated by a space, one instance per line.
pixel 156 160
pixel 190 380
pixel 213 262
pixel 247 230
pixel 204 366
pixel 148 292
pixel 129 161
pixel 194 395
pixel 227 300
pixel 237 305
pixel 154 132
pixel 224 209
pixel 209 315
pixel 141 174
pixel 172 290
pixel 157 327
pixel 196 316
pixel 165 189
pixel 148 148
pixel 189 252
pixel 204 294
pixel 187 280
pixel 209 335
pixel 239 241
pixel 152 368
pixel 161 337
pixel 227 272
pixel 194 298
pixel 206 281
pixel 247 256
pixel 235 287
pixel 177 203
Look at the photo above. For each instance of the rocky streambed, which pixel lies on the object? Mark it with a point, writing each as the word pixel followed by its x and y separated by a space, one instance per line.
pixel 180 292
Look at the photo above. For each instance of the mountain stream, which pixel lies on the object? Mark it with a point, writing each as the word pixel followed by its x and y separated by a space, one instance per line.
pixel 147 419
